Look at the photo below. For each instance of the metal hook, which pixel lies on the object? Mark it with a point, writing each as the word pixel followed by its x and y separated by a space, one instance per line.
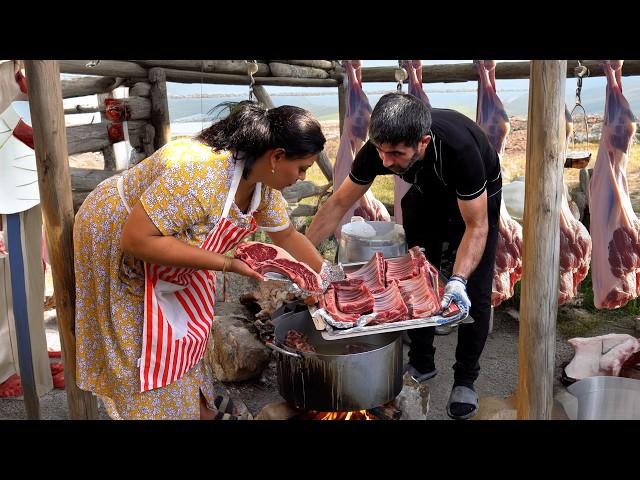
pixel 92 63
pixel 252 68
pixel 401 75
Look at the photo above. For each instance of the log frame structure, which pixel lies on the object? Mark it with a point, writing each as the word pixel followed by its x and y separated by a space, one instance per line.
pixel 147 79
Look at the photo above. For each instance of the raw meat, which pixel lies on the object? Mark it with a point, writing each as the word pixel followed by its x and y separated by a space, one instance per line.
pixel 414 79
pixel 372 273
pixel 353 296
pixel 354 134
pixel 263 258
pixel 492 117
pixel 602 355
pixel 615 229
pixel 298 341
pixel 389 306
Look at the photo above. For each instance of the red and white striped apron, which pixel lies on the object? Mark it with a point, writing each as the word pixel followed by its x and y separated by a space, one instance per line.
pixel 179 302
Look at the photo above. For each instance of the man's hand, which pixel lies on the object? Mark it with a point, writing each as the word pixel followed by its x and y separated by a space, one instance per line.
pixel 456 291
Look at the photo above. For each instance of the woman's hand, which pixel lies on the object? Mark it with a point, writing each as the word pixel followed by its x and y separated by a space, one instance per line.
pixel 238 266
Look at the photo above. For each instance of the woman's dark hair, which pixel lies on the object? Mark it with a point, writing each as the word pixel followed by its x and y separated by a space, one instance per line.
pixel 399 118
pixel 250 130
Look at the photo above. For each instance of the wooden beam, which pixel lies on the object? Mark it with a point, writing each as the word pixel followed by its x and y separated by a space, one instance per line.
pixel 465 72
pixel 263 96
pixel 296 71
pixel 541 236
pixel 80 87
pixel 238 67
pixel 109 68
pixel 45 104
pixel 159 107
pixel 323 64
pixel 185 76
pixel 140 89
pixel 93 137
pixel 325 166
pixel 139 108
pixel 304 189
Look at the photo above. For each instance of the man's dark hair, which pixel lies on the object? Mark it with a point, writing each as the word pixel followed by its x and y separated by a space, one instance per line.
pixel 399 118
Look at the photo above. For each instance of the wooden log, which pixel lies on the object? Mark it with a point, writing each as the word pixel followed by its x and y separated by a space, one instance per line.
pixel 465 72
pixel 148 140
pixel 342 101
pixel 109 68
pixel 140 89
pixel 304 189
pixel 263 96
pixel 159 107
pixel 323 64
pixel 45 104
pixel 108 154
pixel 301 210
pixel 325 166
pixel 139 108
pixel 541 234
pixel 94 137
pixel 237 67
pixel 87 179
pixel 80 87
pixel 295 71
pixel 185 76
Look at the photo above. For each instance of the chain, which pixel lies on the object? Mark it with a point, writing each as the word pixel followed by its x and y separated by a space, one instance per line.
pixel 252 67
pixel 401 75
pixel 580 71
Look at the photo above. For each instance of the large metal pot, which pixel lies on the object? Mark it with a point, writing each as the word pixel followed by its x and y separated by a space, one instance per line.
pixel 333 379
pixel 389 239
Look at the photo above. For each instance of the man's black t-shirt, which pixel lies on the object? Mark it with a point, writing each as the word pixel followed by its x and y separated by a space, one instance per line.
pixel 459 162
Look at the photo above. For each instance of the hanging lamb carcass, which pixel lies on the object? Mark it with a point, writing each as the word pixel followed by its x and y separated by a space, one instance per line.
pixel 354 135
pixel 615 228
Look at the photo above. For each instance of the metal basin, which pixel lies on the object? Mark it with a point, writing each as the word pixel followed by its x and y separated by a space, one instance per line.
pixel 333 379
pixel 607 398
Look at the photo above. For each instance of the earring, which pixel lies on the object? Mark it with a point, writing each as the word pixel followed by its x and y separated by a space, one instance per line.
pixel 273 170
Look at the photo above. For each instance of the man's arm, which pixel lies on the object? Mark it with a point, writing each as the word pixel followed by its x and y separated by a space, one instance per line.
pixel 474 214
pixel 328 216
pixel 298 246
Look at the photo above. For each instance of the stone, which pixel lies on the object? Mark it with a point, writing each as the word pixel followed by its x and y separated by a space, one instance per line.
pixel 276 411
pixel 233 352
pixel 413 399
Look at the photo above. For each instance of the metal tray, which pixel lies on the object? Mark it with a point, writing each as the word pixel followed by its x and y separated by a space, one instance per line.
pixel 330 333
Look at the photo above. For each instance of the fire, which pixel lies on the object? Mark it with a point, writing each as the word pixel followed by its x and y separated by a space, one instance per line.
pixel 353 415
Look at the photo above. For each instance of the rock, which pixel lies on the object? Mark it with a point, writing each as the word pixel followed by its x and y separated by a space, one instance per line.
pixel 413 399
pixel 233 352
pixel 276 411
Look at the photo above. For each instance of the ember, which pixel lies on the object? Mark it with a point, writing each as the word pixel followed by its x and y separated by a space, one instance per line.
pixel 355 415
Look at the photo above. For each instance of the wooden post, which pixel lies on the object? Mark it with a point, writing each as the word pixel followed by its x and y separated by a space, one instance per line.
pixel 108 153
pixel 342 101
pixel 159 107
pixel 541 236
pixel 45 104
pixel 263 96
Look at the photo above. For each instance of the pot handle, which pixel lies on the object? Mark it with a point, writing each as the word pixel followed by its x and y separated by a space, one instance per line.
pixel 282 350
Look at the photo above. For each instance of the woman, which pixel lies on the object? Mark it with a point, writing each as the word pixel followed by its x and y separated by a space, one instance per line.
pixel 146 243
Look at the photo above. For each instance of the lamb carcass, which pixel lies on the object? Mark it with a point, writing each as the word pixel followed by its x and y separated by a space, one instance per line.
pixel 492 117
pixel 414 78
pixel 354 134
pixel 602 355
pixel 615 228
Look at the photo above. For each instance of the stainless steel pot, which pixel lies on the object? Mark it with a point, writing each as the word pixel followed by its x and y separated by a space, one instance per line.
pixel 335 379
pixel 388 240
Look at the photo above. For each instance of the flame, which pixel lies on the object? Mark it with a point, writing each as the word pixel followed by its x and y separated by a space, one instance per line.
pixel 353 415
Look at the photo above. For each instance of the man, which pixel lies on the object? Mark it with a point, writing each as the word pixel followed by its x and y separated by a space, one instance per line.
pixel 454 201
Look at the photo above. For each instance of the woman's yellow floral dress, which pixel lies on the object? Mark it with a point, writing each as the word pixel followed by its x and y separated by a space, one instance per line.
pixel 182 187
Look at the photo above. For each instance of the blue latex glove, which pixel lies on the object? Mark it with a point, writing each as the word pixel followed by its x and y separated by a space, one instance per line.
pixel 456 291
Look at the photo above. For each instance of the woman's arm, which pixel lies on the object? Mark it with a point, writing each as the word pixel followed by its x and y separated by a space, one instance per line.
pixel 298 246
pixel 141 238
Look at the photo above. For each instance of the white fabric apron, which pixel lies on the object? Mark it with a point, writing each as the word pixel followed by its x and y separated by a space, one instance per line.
pixel 179 302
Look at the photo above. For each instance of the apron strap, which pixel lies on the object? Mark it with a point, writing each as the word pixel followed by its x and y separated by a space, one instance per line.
pixel 237 175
